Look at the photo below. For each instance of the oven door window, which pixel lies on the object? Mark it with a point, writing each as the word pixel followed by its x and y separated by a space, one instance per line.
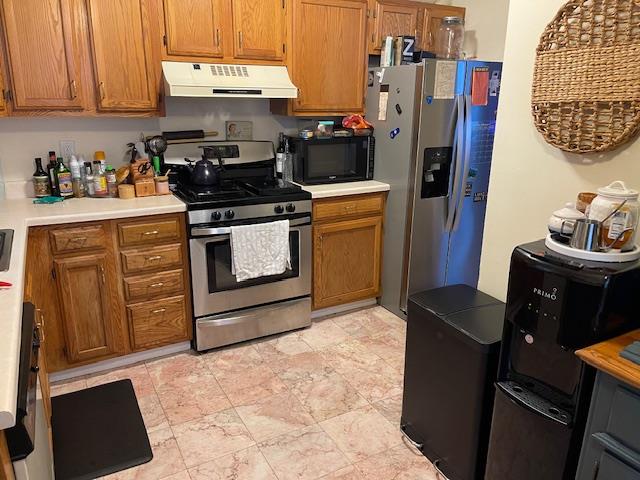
pixel 220 278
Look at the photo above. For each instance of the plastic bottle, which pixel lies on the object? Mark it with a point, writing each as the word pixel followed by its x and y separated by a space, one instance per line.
pixel 287 167
pixel 99 180
pixel 74 166
pixel 112 183
pixel 102 158
pixel 89 184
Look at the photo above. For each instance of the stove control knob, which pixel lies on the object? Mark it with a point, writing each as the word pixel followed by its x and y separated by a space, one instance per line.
pixel 229 214
pixel 278 209
pixel 216 216
pixel 291 208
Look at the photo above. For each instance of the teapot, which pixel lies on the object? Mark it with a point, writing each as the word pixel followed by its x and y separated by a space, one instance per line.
pixel 204 172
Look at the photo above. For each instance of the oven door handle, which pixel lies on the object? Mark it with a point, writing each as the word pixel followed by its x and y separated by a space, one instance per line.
pixel 205 232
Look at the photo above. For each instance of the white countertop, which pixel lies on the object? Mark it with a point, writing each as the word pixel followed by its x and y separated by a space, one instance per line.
pixel 346 188
pixel 18 215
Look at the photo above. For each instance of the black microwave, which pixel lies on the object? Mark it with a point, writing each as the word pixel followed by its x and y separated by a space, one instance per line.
pixel 332 160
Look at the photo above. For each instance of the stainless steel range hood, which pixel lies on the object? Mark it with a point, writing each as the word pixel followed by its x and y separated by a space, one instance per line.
pixel 182 79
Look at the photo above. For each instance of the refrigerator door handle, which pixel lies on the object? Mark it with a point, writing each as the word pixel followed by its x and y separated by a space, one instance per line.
pixel 458 159
pixel 466 155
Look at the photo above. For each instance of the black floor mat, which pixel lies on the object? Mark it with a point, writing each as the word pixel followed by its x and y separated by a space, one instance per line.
pixel 98 431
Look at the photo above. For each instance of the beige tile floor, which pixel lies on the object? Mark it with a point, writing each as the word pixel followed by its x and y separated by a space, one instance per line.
pixel 320 403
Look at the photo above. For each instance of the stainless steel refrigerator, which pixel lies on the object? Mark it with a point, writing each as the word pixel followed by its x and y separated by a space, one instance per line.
pixel 434 127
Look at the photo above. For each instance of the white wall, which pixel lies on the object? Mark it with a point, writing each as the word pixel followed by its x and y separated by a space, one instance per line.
pixel 485 27
pixel 23 139
pixel 529 178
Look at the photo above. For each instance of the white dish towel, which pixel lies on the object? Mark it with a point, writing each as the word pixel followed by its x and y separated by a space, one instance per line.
pixel 259 250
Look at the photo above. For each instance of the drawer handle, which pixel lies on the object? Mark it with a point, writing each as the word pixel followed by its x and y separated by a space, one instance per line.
pixel 152 232
pixel 159 310
pixel 154 258
pixel 156 285
pixel 78 239
pixel 349 208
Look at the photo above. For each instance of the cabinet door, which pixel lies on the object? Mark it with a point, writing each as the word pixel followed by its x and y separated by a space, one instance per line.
pixel 346 261
pixel 431 20
pixel 258 26
pixel 122 53
pixel 88 304
pixel 329 55
pixel 193 27
pixel 41 50
pixel 393 20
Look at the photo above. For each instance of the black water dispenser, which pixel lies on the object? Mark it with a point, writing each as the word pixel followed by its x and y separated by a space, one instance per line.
pixel 555 306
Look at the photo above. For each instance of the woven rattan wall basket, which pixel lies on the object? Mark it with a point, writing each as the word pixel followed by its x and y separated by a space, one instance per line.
pixel 586 85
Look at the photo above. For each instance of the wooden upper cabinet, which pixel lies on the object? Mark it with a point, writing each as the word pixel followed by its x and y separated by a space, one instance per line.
pixel 89 306
pixel 259 30
pixel 194 28
pixel 393 20
pixel 40 37
pixel 329 55
pixel 429 24
pixel 124 61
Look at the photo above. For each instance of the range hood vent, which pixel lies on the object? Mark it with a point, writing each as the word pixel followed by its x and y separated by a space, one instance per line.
pixel 183 79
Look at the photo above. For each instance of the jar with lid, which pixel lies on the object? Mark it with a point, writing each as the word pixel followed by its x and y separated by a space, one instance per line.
pixel 449 38
pixel 619 229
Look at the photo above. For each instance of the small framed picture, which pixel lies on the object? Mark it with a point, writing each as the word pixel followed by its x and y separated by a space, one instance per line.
pixel 238 130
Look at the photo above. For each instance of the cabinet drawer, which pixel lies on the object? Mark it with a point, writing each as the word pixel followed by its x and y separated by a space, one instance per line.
pixel 154 285
pixel 624 417
pixel 131 234
pixel 78 239
pixel 154 258
pixel 157 322
pixel 348 206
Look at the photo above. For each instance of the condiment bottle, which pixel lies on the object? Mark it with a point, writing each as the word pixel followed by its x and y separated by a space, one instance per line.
pixel 112 183
pixel 89 185
pixel 41 185
pixel 51 168
pixel 99 180
pixel 101 157
pixel 63 177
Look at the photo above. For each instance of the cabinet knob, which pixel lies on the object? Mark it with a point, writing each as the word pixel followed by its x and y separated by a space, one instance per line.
pixel 101 89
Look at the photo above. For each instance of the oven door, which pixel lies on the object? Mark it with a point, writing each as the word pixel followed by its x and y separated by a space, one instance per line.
pixel 215 289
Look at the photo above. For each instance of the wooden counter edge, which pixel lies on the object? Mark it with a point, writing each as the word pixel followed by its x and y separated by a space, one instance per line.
pixel 605 356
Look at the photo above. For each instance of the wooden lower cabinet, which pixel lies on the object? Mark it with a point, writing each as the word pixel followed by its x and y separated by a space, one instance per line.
pixel 92 303
pixel 347 250
pixel 156 322
pixel 89 306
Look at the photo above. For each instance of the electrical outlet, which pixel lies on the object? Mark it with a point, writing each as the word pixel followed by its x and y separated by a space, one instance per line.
pixel 67 148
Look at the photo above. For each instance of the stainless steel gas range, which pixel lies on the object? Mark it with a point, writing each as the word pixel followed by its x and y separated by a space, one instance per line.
pixel 227 311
